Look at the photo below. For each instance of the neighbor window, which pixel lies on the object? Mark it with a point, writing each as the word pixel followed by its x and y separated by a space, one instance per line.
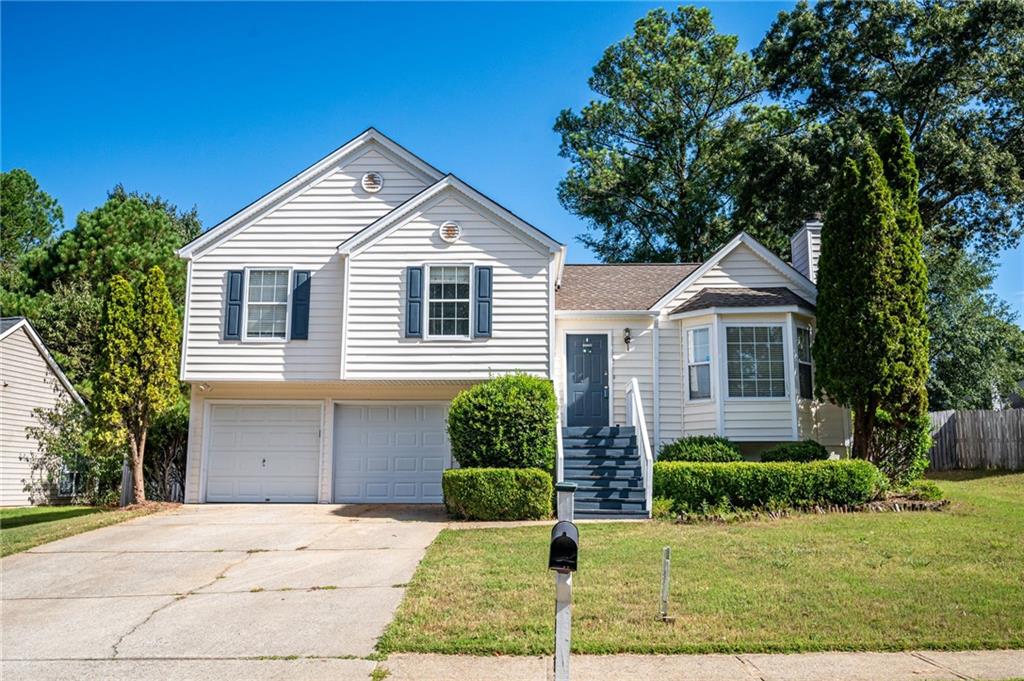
pixel 803 355
pixel 448 301
pixel 756 362
pixel 266 304
pixel 699 360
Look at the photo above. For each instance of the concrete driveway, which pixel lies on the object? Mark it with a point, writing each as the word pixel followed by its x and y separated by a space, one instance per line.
pixel 213 591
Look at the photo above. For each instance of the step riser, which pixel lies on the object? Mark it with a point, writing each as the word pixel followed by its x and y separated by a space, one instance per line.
pixel 579 475
pixel 585 487
pixel 612 495
pixel 601 442
pixel 601 451
pixel 609 505
pixel 590 431
pixel 611 514
pixel 604 461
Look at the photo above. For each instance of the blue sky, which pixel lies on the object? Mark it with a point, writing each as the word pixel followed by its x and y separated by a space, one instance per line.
pixel 215 104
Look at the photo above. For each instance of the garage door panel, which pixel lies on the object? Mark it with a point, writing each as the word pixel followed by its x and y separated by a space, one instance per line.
pixel 389 453
pixel 263 452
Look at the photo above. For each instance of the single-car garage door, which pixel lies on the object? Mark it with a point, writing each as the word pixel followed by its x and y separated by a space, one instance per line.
pixel 390 453
pixel 263 452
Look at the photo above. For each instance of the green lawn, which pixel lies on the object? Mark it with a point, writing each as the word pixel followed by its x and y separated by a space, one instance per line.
pixel 859 581
pixel 24 528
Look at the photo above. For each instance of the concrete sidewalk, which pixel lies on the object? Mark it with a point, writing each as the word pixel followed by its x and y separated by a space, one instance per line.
pixel 991 665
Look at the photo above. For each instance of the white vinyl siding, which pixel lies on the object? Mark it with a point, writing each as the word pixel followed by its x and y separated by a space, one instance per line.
pixel 28 383
pixel 302 232
pixel 825 422
pixel 806 249
pixel 376 346
pixel 758 420
pixel 670 384
pixel 743 268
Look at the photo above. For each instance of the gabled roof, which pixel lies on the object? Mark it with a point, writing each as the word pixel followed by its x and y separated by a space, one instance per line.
pixel 617 286
pixel 370 136
pixel 392 220
pixel 8 325
pixel 799 280
pixel 743 297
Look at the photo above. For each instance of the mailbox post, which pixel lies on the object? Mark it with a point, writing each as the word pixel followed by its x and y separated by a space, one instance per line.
pixel 563 560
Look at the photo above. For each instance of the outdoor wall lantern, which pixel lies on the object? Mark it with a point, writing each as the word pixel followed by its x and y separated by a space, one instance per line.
pixel 627 337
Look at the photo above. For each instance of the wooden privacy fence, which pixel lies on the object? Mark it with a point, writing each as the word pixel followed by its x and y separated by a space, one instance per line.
pixel 977 439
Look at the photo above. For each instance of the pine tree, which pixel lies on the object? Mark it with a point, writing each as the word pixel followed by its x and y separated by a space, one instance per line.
pixel 909 396
pixel 137 377
pixel 857 346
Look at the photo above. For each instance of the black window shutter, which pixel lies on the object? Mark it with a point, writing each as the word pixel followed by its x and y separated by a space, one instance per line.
pixel 233 305
pixel 484 302
pixel 300 305
pixel 413 302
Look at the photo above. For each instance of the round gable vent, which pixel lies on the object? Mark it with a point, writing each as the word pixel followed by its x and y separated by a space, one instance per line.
pixel 450 231
pixel 372 182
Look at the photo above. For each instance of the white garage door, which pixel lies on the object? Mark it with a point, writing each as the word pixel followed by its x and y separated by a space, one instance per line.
pixel 263 452
pixel 389 453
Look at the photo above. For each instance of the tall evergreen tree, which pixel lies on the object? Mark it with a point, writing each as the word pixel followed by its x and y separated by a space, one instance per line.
pixel 138 355
pixel 857 346
pixel 909 396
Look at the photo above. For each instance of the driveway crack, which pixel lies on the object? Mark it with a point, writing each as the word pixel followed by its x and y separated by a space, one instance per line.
pixel 176 599
pixel 750 668
pixel 943 667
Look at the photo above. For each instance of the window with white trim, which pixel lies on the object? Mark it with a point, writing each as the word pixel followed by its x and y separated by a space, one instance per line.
pixel 756 361
pixel 698 344
pixel 266 304
pixel 448 301
pixel 803 356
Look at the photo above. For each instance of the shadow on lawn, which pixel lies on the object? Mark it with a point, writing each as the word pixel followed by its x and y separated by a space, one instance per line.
pixel 45 517
pixel 972 474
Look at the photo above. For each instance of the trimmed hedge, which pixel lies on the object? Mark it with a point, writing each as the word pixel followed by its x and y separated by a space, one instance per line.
pixel 497 493
pixel 691 486
pixel 805 451
pixel 505 422
pixel 704 448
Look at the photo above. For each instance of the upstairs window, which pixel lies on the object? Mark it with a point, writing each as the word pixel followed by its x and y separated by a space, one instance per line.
pixel 448 301
pixel 266 304
pixel 803 353
pixel 698 343
pixel 756 362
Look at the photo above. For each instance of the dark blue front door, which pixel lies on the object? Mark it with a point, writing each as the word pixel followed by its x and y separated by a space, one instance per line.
pixel 587 389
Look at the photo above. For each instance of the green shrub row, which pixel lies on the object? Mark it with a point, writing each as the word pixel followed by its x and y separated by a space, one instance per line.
pixel 706 448
pixel 497 493
pixel 805 451
pixel 692 486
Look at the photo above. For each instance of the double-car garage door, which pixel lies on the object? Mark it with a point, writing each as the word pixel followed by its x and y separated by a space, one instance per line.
pixel 383 453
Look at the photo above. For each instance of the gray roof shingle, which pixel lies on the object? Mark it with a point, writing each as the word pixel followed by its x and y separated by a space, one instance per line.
pixel 618 286
pixel 8 322
pixel 743 297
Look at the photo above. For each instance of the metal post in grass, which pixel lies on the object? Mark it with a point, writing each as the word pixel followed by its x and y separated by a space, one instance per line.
pixel 666 569
pixel 562 559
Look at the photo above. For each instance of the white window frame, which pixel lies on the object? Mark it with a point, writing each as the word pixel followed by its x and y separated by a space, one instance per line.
pixel 800 362
pixel 786 364
pixel 288 309
pixel 688 350
pixel 427 336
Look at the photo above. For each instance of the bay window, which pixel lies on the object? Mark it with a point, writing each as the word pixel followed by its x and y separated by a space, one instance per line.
pixel 698 343
pixel 756 363
pixel 803 352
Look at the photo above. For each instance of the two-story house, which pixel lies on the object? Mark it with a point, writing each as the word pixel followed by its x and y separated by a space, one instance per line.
pixel 329 324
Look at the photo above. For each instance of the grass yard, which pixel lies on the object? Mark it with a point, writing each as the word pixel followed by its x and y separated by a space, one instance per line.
pixel 24 528
pixel 885 581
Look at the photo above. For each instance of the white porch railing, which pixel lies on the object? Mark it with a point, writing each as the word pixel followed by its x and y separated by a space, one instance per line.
pixel 635 417
pixel 559 451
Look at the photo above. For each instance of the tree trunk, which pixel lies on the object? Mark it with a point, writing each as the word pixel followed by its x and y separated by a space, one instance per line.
pixel 863 427
pixel 138 481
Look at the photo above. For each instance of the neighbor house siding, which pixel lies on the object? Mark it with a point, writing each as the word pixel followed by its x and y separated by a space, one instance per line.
pixel 742 268
pixel 376 346
pixel 28 383
pixel 327 393
pixel 302 233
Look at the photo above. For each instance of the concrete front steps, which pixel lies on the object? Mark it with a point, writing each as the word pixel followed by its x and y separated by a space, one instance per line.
pixel 605 465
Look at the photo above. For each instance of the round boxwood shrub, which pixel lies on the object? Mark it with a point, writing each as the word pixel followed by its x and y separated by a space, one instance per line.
pixel 705 448
pixel 505 422
pixel 497 493
pixel 805 451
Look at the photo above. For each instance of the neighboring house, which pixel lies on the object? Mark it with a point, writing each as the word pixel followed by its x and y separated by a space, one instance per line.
pixel 29 379
pixel 329 324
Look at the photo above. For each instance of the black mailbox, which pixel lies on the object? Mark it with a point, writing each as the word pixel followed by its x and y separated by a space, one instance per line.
pixel 565 543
